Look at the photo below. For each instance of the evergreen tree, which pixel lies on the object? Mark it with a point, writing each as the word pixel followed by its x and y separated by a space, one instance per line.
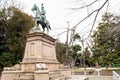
pixel 14 26
pixel 107 40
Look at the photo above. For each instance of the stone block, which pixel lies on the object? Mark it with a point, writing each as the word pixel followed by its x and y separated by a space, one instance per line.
pixel 41 75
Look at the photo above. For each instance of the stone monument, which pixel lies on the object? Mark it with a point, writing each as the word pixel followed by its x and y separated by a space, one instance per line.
pixel 39 61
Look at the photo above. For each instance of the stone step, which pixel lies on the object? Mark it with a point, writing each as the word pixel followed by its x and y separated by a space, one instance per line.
pixel 61 78
pixel 23 79
pixel 26 77
pixel 27 74
pixel 56 75
pixel 54 72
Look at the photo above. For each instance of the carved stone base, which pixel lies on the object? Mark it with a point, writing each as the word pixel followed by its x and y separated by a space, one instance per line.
pixel 39 59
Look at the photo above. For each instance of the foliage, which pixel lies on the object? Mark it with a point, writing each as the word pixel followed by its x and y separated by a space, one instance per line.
pixel 74 51
pixel 107 40
pixel 60 50
pixel 14 25
pixel 72 54
pixel 76 37
pixel 87 55
pixel 8 59
pixel 79 70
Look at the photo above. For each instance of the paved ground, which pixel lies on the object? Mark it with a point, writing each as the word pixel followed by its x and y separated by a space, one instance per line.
pixel 78 77
pixel 91 77
pixel 82 77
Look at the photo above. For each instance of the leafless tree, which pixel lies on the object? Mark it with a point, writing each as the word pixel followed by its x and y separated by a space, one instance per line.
pixel 10 3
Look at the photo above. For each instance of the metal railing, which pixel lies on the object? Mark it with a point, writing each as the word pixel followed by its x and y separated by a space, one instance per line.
pixel 116 76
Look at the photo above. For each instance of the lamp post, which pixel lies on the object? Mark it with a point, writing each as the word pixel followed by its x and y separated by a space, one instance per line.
pixel 67 36
pixel 84 65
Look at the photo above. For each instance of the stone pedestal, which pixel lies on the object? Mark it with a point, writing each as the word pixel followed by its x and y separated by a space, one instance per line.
pixel 39 59
pixel 10 75
pixel 40 48
pixel 41 75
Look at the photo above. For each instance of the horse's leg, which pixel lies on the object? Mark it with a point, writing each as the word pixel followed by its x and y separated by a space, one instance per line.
pixel 37 24
pixel 47 30
pixel 43 29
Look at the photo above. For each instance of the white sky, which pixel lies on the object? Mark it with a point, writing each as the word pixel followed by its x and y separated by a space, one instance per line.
pixel 58 14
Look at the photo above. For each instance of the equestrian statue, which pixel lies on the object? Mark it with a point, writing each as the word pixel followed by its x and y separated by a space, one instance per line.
pixel 40 18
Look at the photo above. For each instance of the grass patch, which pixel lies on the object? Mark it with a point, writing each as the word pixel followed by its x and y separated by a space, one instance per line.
pixel 110 70
pixel 82 70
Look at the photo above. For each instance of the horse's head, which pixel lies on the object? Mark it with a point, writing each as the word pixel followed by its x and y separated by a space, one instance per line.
pixel 37 12
pixel 34 7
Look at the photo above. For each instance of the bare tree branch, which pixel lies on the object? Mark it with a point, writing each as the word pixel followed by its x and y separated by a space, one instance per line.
pixel 96 17
pixel 84 6
pixel 97 10
pixel 89 46
pixel 59 33
pixel 84 18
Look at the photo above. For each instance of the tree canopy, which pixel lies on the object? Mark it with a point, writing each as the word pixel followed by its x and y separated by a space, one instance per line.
pixel 107 40
pixel 14 25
